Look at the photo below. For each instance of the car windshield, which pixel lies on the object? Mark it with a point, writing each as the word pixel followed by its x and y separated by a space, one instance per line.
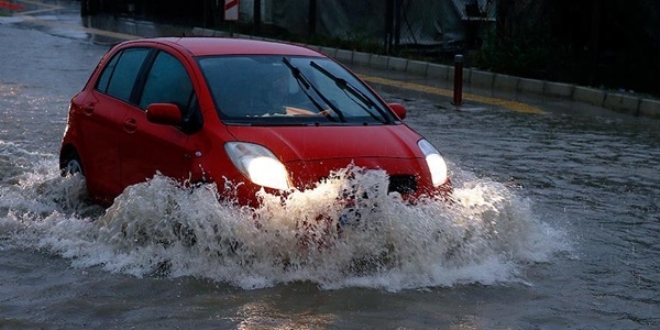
pixel 289 90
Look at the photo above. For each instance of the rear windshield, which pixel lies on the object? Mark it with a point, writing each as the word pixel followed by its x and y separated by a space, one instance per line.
pixel 278 90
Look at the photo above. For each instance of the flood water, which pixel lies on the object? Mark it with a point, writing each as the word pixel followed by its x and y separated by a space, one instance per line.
pixel 555 226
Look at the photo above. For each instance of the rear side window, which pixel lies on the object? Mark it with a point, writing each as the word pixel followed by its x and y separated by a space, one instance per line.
pixel 119 76
pixel 102 84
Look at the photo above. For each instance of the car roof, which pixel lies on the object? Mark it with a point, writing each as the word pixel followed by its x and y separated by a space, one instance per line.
pixel 205 46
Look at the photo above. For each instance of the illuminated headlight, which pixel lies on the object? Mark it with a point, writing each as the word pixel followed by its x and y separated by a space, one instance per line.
pixel 436 163
pixel 258 164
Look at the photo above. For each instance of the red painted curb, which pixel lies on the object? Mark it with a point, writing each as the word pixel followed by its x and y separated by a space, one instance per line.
pixel 11 6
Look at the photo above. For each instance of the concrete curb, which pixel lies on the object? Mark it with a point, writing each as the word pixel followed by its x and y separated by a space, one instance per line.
pixel 621 102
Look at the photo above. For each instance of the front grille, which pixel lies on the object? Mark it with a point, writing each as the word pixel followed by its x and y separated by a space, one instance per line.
pixel 403 184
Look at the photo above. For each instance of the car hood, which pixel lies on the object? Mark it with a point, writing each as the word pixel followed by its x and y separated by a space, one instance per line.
pixel 295 143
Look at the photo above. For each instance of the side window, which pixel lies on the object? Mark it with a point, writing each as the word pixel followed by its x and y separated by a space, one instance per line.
pixel 102 84
pixel 120 74
pixel 168 82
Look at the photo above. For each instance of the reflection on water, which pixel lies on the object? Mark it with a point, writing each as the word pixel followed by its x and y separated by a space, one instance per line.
pixel 260 315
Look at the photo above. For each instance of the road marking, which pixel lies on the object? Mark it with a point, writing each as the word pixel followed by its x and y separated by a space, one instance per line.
pixel 49 7
pixel 94 31
pixel 512 105
pixel 26 15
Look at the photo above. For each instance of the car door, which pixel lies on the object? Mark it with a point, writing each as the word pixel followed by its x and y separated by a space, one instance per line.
pixel 148 148
pixel 104 108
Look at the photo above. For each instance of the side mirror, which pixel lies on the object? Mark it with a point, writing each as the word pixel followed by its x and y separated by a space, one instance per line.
pixel 164 114
pixel 398 109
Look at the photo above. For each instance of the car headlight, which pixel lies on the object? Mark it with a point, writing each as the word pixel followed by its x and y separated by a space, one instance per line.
pixel 436 163
pixel 258 164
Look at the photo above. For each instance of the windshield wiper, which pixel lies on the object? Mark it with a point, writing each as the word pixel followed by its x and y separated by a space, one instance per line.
pixel 348 87
pixel 306 85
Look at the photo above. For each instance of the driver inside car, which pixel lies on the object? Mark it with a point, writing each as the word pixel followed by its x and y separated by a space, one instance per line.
pixel 285 96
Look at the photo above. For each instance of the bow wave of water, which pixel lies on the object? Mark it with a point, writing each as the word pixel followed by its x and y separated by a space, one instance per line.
pixel 157 228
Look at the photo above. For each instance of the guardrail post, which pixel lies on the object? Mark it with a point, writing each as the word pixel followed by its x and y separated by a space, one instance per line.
pixel 458 80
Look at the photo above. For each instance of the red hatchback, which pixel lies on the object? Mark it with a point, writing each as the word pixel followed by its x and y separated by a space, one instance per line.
pixel 239 113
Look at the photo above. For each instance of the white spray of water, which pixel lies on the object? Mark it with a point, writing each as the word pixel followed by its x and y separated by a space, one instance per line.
pixel 158 228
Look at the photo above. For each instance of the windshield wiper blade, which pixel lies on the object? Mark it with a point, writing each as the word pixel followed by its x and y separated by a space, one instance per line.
pixel 302 79
pixel 346 86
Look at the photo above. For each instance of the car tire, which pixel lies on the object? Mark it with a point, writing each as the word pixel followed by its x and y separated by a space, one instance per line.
pixel 70 164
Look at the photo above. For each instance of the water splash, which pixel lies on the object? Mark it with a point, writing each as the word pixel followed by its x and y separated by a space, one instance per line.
pixel 157 228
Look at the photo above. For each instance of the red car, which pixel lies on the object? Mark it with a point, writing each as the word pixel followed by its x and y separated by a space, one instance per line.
pixel 240 113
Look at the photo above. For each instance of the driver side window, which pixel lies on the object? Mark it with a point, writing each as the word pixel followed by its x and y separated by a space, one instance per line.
pixel 168 82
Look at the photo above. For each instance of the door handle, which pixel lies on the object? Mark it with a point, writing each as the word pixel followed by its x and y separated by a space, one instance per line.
pixel 130 125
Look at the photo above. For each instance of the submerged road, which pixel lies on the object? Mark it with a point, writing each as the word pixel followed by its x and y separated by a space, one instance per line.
pixel 557 227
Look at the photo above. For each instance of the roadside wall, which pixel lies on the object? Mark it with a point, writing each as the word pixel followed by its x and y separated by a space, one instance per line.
pixel 440 24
